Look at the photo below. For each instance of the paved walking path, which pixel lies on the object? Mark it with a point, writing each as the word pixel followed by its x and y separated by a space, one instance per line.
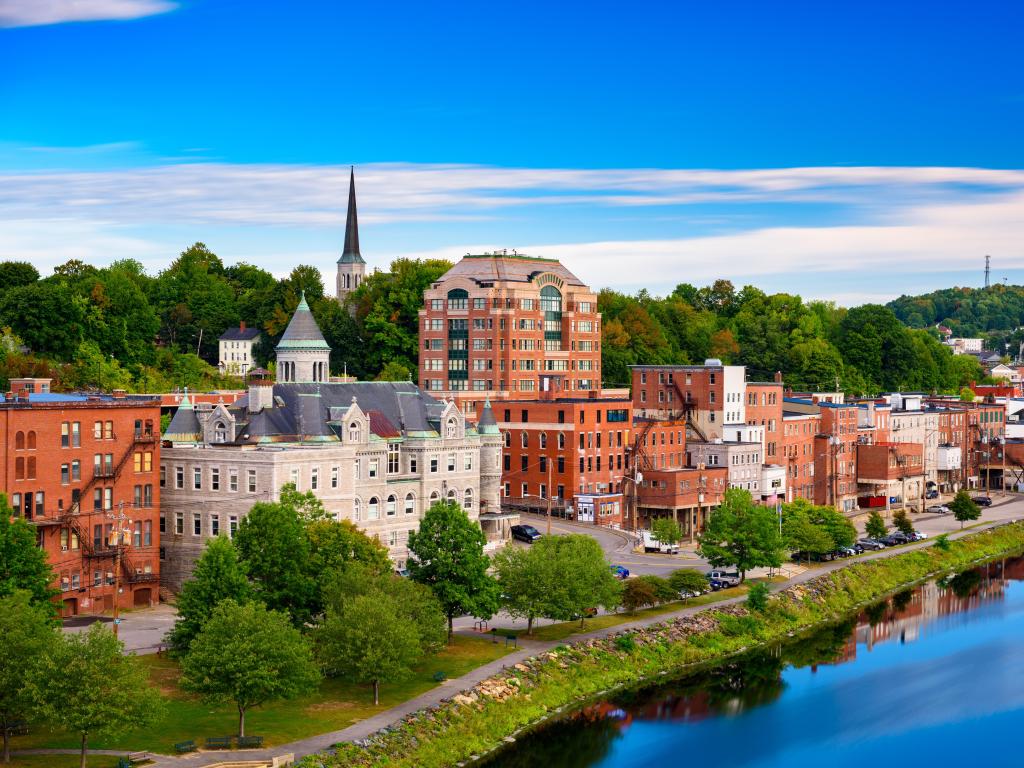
pixel 371 725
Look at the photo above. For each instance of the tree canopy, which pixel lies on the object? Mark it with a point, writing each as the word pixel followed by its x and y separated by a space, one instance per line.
pixel 23 565
pixel 741 534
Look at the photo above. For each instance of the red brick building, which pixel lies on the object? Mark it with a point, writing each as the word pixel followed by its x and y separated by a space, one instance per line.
pixel 764 409
pixel 494 324
pixel 801 422
pixel 686 495
pixel 835 457
pixel 707 396
pixel 81 468
pixel 891 470
pixel 566 448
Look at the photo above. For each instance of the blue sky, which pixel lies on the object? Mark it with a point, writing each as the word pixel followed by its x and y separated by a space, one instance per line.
pixel 843 150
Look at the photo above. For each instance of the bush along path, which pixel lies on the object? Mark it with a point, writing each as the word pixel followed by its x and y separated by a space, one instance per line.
pixel 555 678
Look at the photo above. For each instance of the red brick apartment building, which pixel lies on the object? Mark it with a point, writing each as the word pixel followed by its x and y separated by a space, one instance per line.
pixel 573 449
pixel 764 409
pixel 494 324
pixel 800 424
pixel 892 470
pixel 79 469
pixel 707 396
pixel 835 457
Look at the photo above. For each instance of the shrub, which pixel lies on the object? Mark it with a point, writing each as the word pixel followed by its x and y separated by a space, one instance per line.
pixel 625 643
pixel 757 597
pixel 942 543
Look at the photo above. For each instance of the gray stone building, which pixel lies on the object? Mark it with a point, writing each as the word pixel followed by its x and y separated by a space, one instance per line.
pixel 376 453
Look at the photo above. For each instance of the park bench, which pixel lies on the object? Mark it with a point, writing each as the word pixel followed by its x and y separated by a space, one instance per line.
pixel 18 728
pixel 511 638
pixel 218 742
pixel 185 746
pixel 138 757
pixel 250 742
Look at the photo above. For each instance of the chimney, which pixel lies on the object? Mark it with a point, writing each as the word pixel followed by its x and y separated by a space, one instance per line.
pixel 241 326
pixel 778 377
pixel 119 394
pixel 261 391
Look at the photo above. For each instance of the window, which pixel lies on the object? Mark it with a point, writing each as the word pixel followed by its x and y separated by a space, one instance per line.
pixel 524 440
pixel 433 465
pixel 179 523
pixel 468 462
pixel 65 474
pixel 108 430
pixel 450 428
pixel 65 434
pixel 451 462
pixel 97 430
pixel 76 434
pixel 197 478
pixel 215 525
pixel 410 504
pixel 314 478
pixel 197 524
pixel 357 512
pixel 220 432
pixel 294 474
pixel 137 534
pixel 391 506
pixel 394 457
pixel 76 470
pixel 413 464
pixel 353 432
pixel 233 480
pixel 467 499
pixel 373 509
pixel 147 533
pixel 214 478
pixel 252 480
pixel 232 525
pixel 374 468
pixel 434 497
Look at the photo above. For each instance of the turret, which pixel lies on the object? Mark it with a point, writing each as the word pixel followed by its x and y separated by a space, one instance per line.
pixel 303 354
pixel 490 460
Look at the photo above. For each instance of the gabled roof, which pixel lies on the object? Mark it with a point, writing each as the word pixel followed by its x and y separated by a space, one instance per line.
pixel 302 331
pixel 240 334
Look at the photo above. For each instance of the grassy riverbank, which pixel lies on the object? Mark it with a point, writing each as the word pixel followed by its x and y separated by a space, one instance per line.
pixel 478 721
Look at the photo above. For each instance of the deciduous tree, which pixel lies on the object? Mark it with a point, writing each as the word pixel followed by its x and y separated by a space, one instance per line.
pixel 23 565
pixel 875 527
pixel 447 554
pixel 248 656
pixel 741 533
pixel 964 508
pixel 85 684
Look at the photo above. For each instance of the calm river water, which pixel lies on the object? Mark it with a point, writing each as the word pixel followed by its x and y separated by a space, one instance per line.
pixel 932 677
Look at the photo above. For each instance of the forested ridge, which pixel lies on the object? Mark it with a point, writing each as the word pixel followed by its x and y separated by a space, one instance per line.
pixel 118 326
pixel 996 312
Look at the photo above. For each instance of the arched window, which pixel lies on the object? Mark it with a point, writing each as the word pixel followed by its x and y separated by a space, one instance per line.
pixel 434 497
pixel 19 441
pixel 392 506
pixel 353 432
pixel 508 439
pixel 449 431
pixel 543 439
pixel 373 509
pixel 550 299
pixel 561 440
pixel 31 442
pixel 524 439
pixel 410 504
pixel 458 298
pixel 220 432
pixel 453 495
pixel 467 502
pixel 357 510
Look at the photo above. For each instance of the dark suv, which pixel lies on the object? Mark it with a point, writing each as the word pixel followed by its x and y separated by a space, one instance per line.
pixel 526 533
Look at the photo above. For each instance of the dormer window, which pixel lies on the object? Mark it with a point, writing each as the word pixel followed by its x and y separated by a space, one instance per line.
pixel 353 432
pixel 450 429
pixel 220 432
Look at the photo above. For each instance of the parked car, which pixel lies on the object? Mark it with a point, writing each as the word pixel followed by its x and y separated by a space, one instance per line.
pixel 939 509
pixel 730 578
pixel 871 544
pixel 918 536
pixel 717 584
pixel 620 572
pixel 846 552
pixel 982 501
pixel 932 494
pixel 526 533
pixel 896 538
pixel 857 548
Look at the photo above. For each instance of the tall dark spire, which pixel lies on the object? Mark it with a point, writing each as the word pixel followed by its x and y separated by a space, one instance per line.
pixel 351 252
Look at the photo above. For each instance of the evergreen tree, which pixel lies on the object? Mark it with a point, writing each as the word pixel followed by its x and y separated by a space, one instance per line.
pixel 875 527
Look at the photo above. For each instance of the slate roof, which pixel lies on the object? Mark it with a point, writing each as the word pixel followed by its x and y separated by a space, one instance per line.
pixel 487 425
pixel 351 255
pixel 302 331
pixel 240 334
pixel 490 268
pixel 311 412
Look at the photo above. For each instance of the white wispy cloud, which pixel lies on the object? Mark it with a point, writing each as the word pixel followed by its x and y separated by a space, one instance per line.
pixel 32 13
pixel 882 220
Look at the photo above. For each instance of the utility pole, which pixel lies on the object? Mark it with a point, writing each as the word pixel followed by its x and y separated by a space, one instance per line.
pixel 119 537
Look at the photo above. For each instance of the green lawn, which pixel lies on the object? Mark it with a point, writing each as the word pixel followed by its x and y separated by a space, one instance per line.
pixel 336 705
pixel 61 761
pixel 569 628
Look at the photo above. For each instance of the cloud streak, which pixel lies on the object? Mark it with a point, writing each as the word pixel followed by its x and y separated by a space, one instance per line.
pixel 883 221
pixel 33 13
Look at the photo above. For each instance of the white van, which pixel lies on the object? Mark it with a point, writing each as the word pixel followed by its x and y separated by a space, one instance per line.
pixel 651 544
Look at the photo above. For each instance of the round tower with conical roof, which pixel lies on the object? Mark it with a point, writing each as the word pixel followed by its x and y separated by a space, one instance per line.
pixel 490 460
pixel 303 354
pixel 351 267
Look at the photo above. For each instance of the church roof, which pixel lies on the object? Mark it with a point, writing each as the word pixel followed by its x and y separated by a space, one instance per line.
pixel 302 331
pixel 351 255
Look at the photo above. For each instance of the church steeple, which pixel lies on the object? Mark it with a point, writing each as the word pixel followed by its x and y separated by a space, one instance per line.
pixel 351 266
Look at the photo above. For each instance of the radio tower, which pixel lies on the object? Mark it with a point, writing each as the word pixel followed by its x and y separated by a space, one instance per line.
pixel 986 270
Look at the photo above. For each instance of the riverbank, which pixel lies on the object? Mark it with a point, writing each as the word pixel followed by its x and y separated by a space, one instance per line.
pixel 478 721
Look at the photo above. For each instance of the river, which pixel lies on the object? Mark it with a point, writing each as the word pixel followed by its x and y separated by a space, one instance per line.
pixel 931 677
